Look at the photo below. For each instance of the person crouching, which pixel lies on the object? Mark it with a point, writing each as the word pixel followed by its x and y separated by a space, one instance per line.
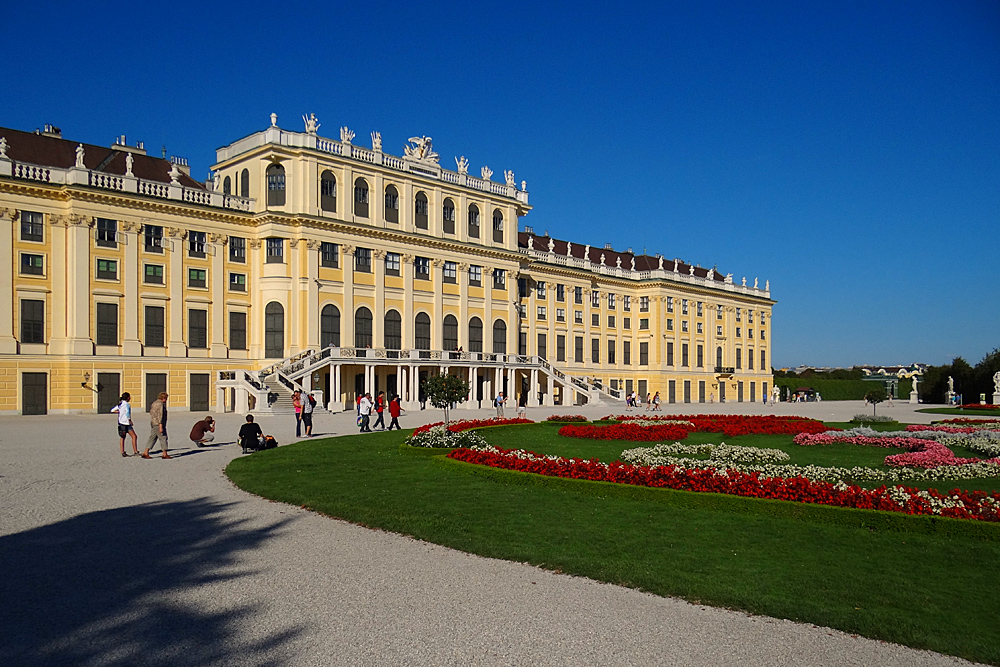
pixel 203 432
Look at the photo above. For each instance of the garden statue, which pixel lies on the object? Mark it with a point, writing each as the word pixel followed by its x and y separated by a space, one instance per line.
pixel 996 382
pixel 951 384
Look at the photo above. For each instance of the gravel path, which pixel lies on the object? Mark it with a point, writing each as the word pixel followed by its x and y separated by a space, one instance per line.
pixel 112 561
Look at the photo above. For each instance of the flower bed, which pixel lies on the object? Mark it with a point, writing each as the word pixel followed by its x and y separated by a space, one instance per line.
pixel 734 425
pixel 978 406
pixel 625 431
pixel 567 418
pixel 457 434
pixel 959 504
pixel 923 451
pixel 465 424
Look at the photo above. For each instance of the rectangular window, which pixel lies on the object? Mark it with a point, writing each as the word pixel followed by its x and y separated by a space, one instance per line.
pixel 670 304
pixel 107 269
pixel 644 354
pixel 749 360
pixel 577 295
pixel 522 310
pixel 541 312
pixel 275 251
pixel 699 306
pixel 392 263
pixel 32 228
pixel 684 325
pixel 699 328
pixel 762 334
pixel 643 304
pixel 422 267
pixel 684 354
pixel 237 331
pixel 578 316
pixel 329 255
pixel 198 328
pixel 700 355
pixel 718 330
pixel 32 265
pixel 32 321
pixel 363 260
pixel 237 249
pixel 739 358
pixel 578 350
pixel 718 312
pixel 611 352
pixel 762 316
pixel 196 244
pixel 560 314
pixel 595 299
pixel 154 326
pixel 595 350
pixel 611 322
pixel 560 292
pixel 107 233
pixel 749 317
pixel 540 289
pixel 611 301
pixel 595 319
pixel 522 288
pixel 643 323
pixel 626 323
pixel 737 314
pixel 237 282
pixel 153 274
pixel 197 278
pixel 626 302
pixel 670 354
pixel 476 276
pixel 499 279
pixel 153 235
pixel 738 332
pixel 107 324
pixel 522 343
pixel 749 333
pixel 450 273
pixel 763 360
pixel 543 346
pixel 627 352
pixel 670 325
pixel 684 306
pixel 560 348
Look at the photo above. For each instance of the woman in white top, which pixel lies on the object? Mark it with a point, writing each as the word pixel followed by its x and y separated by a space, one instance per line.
pixel 125 426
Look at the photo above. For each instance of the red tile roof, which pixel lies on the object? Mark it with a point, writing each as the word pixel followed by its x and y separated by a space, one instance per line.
pixel 48 151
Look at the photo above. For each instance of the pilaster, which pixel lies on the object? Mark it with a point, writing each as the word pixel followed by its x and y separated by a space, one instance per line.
pixel 437 322
pixel 409 342
pixel 378 317
pixel 131 275
pixel 8 344
pixel 219 281
pixel 312 293
pixel 347 319
pixel 175 320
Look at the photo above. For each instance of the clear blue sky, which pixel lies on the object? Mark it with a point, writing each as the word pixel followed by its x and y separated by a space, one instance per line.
pixel 849 153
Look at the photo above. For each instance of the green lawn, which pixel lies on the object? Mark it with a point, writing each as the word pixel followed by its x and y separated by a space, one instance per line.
pixel 930 587
pixel 960 412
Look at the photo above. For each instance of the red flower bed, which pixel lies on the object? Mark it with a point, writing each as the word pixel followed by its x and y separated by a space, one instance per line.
pixel 977 406
pixel 625 431
pixel 733 425
pixel 567 418
pixel 752 485
pixel 968 421
pixel 466 424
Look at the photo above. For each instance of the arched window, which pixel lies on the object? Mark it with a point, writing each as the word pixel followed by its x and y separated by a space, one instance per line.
pixel 227 186
pixel 475 335
pixel 497 226
pixel 363 327
pixel 361 198
pixel 245 183
pixel 422 332
pixel 500 337
pixel 421 211
pixel 450 338
pixel 328 191
pixel 448 216
pixel 473 221
pixel 275 185
pixel 274 331
pixel 329 326
pixel 391 204
pixel 718 357
pixel 392 331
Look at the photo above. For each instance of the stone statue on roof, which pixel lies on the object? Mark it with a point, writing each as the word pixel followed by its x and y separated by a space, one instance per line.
pixel 633 263
pixel 524 186
pixel 767 285
pixel 586 253
pixel 531 242
pixel 346 135
pixel 602 259
pixel 463 165
pixel 79 157
pixel 312 125
pixel 676 267
pixel 569 249
pixel 486 172
pixel 711 274
pixel 175 173
pixel 755 282
pixel 128 168
pixel 744 281
pixel 420 149
pixel 618 261
pixel 377 142
pixel 691 270
pixel 508 176
pixel 3 146
pixel 659 264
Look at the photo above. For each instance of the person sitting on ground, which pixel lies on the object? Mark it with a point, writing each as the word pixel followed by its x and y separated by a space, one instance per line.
pixel 203 432
pixel 251 433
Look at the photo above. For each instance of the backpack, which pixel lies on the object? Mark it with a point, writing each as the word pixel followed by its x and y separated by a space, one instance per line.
pixel 312 401
pixel 270 442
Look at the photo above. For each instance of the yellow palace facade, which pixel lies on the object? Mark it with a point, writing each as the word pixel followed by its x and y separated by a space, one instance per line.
pixel 318 264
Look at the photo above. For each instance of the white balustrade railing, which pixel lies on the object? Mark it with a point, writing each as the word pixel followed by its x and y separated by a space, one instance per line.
pixel 32 172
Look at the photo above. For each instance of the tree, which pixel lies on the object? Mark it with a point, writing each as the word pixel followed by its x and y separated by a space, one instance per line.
pixel 875 396
pixel 444 390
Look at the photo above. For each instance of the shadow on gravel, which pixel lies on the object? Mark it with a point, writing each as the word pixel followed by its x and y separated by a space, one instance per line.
pixel 109 588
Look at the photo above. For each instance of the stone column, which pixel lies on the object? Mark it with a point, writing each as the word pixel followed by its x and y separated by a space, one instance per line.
pixel 175 318
pixel 347 317
pixel 550 395
pixel 378 317
pixel 470 401
pixel 533 389
pixel 218 281
pixel 312 295
pixel 131 345
pixel 8 345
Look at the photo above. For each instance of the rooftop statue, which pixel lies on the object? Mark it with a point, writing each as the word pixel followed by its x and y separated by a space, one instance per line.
pixel 346 135
pixel 675 267
pixel 569 249
pixel 420 149
pixel 660 264
pixel 524 186
pixel 691 270
pixel 3 146
pixel 744 281
pixel 486 173
pixel 463 165
pixel 377 141
pixel 508 175
pixel 128 167
pixel 755 283
pixel 633 263
pixel 767 285
pixel 711 274
pixel 312 125
pixel 79 156
pixel 586 253
pixel 531 242
pixel 175 173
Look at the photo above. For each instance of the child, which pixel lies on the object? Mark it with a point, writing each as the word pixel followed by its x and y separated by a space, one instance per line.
pixel 125 425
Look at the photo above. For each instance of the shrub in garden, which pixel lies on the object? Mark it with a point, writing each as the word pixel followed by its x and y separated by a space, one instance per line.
pixel 567 418
pixel 869 419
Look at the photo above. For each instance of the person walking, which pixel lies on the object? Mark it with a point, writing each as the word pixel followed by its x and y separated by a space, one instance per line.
pixel 308 405
pixel 649 401
pixel 365 408
pixel 203 431
pixel 297 405
pixel 394 411
pixel 656 402
pixel 158 426
pixel 125 425
pixel 379 408
pixel 498 402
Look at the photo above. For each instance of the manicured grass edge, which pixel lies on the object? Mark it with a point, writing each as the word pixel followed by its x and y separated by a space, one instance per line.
pixel 874 520
pixel 959 412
